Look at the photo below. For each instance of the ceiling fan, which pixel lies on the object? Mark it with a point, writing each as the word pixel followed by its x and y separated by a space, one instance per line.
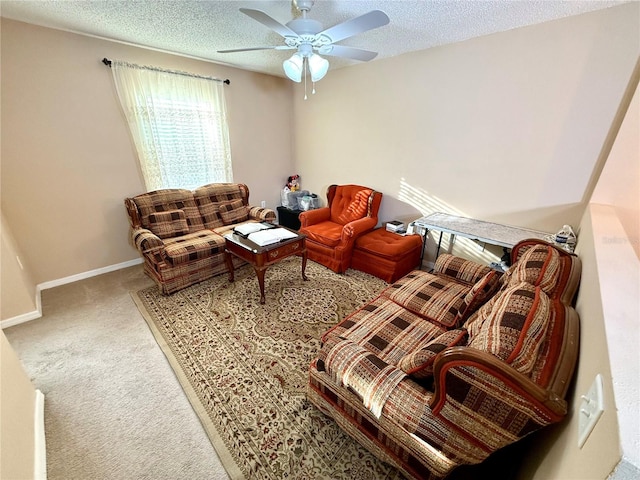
pixel 307 37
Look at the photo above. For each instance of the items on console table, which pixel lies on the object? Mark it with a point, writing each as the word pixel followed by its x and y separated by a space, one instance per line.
pixel 487 232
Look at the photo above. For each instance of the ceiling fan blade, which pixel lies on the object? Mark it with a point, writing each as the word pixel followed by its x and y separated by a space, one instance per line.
pixel 279 47
pixel 270 22
pixel 368 21
pixel 348 52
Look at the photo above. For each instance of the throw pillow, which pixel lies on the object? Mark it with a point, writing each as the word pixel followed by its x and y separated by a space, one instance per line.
pixel 459 268
pixel 429 296
pixel 481 291
pixel 516 326
pixel 171 223
pixel 539 266
pixel 210 213
pixel 234 212
pixel 419 364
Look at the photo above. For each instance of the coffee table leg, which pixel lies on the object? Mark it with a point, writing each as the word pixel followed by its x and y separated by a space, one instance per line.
pixel 260 274
pixel 229 260
pixel 304 265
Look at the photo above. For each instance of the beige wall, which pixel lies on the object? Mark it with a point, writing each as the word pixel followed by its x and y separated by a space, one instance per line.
pixel 67 158
pixel 17 288
pixel 610 334
pixel 609 317
pixel 619 184
pixel 17 409
pixel 504 128
pixel 555 454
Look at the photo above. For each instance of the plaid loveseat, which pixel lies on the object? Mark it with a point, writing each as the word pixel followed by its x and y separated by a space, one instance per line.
pixel 179 233
pixel 444 368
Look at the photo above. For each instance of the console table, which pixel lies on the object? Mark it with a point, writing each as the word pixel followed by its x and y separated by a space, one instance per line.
pixel 487 232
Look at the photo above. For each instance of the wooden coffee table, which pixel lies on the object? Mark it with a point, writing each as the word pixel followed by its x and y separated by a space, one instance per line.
pixel 262 257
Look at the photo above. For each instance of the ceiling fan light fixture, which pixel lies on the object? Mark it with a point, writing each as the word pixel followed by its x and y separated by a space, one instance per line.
pixel 306 35
pixel 318 67
pixel 293 67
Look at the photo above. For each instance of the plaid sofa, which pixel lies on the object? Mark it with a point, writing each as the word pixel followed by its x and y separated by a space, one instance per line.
pixel 179 233
pixel 444 368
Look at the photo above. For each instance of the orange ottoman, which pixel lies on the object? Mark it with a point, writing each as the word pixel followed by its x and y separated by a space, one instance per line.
pixel 386 255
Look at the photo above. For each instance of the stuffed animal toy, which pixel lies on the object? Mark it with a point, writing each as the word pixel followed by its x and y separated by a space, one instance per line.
pixel 293 182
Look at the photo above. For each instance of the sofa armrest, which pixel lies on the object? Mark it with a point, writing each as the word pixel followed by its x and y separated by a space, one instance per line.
pixel 145 240
pixel 133 213
pixel 460 268
pixel 311 217
pixel 475 391
pixel 261 214
pixel 353 230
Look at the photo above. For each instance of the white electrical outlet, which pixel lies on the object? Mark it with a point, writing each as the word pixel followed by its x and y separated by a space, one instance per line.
pixel 591 409
pixel 263 204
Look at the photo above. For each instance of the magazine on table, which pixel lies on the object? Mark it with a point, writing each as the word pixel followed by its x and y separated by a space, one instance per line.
pixel 273 235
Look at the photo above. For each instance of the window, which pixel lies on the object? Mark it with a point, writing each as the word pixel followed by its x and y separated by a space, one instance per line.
pixel 178 124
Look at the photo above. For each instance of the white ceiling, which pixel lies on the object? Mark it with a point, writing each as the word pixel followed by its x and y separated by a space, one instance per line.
pixel 199 28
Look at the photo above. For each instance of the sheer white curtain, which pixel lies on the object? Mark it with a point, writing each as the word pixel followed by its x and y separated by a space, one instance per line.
pixel 178 123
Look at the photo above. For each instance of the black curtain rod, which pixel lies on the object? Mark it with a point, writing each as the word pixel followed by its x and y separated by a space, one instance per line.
pixel 108 62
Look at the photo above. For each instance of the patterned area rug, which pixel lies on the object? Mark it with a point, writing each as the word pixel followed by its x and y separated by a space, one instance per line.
pixel 244 367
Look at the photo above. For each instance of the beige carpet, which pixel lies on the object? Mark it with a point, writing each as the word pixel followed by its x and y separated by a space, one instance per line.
pixel 244 367
pixel 114 409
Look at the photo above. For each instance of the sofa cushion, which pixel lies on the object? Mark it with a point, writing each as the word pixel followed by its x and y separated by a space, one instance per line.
pixel 326 233
pixel 171 223
pixel 435 298
pixel 169 199
pixel 387 245
pixel 419 363
pixel 479 294
pixel 193 246
pixel 539 266
pixel 208 198
pixel 515 327
pixel 211 215
pixel 386 329
pixel 234 211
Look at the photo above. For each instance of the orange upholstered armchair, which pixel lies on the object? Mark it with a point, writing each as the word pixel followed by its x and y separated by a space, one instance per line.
pixel 331 231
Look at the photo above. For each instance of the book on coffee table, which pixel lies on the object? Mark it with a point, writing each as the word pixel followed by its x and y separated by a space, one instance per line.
pixel 274 235
pixel 249 228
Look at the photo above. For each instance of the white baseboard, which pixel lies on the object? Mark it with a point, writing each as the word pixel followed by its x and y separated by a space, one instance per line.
pixel 26 317
pixel 89 274
pixel 40 454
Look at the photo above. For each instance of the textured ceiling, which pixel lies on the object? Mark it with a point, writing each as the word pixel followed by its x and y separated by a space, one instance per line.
pixel 199 28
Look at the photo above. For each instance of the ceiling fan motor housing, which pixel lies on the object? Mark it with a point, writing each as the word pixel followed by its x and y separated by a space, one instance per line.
pixel 303 5
pixel 305 26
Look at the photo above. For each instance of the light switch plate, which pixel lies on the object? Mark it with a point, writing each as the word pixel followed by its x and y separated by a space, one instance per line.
pixel 591 409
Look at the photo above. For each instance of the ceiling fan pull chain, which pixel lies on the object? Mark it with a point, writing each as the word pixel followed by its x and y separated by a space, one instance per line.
pixel 305 66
